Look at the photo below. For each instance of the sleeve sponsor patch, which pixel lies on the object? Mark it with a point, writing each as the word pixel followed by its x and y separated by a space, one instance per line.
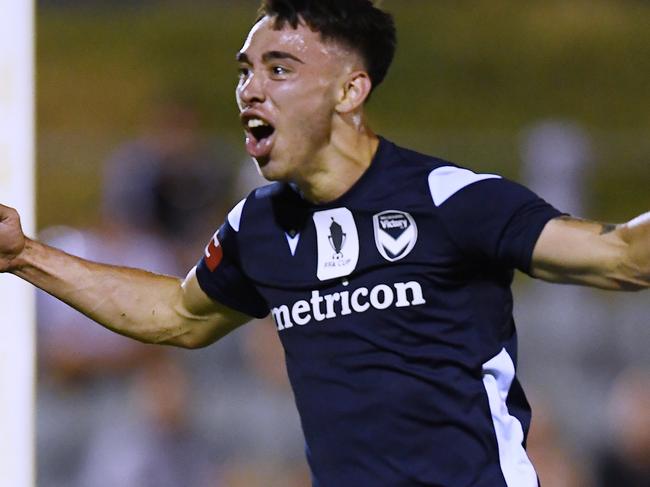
pixel 213 254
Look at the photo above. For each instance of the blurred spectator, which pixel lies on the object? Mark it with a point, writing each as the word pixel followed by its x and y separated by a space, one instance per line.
pixel 89 436
pixel 626 460
pixel 247 403
pixel 73 346
pixel 155 445
pixel 164 194
pixel 172 180
pixel 558 163
pixel 256 417
pixel 564 328
pixel 271 420
pixel 83 367
pixel 575 340
pixel 557 465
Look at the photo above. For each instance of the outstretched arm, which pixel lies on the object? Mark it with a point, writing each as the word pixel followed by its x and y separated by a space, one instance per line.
pixel 574 251
pixel 148 307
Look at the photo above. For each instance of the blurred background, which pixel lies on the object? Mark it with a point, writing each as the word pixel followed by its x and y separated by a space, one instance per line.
pixel 140 156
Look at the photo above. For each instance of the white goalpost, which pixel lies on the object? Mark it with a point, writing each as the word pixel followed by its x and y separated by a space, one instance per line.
pixel 17 356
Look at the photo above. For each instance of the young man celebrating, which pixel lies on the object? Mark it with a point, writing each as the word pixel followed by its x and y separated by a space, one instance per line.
pixel 387 272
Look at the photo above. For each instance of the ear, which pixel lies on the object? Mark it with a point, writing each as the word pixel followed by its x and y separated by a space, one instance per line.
pixel 354 92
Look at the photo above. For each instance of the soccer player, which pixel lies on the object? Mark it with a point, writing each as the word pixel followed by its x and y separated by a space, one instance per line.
pixel 387 272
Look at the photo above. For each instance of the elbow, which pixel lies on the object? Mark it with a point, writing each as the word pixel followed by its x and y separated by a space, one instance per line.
pixel 188 340
pixel 189 343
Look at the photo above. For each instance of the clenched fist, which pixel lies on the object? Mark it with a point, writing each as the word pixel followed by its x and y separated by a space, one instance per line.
pixel 12 239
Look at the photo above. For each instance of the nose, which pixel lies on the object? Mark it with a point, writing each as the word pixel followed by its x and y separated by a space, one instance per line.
pixel 250 90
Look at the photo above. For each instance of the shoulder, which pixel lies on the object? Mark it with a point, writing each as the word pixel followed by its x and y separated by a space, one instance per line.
pixel 265 207
pixel 440 178
pixel 412 159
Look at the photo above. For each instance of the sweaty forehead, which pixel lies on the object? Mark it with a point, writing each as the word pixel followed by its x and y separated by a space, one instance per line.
pixel 301 42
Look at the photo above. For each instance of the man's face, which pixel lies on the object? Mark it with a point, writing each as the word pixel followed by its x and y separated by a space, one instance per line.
pixel 289 85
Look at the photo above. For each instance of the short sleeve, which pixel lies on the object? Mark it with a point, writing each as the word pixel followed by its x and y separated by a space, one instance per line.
pixel 220 275
pixel 489 217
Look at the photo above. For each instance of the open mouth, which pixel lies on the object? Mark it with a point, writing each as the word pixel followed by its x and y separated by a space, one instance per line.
pixel 259 136
pixel 259 128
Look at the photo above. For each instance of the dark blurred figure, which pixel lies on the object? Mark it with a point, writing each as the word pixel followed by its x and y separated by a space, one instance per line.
pixel 253 414
pixel 158 446
pixel 83 368
pixel 556 462
pixel 626 460
pixel 566 328
pixel 173 180
pixel 72 347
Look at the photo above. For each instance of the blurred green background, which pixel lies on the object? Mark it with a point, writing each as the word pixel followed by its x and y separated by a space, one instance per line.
pixel 468 78
pixel 471 77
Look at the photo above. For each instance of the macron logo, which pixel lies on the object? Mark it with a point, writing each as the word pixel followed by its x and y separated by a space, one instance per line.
pixel 325 307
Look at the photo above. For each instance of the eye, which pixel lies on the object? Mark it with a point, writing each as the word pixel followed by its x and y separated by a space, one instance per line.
pixel 243 72
pixel 279 71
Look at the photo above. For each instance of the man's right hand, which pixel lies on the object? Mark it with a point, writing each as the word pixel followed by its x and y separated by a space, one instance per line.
pixel 12 239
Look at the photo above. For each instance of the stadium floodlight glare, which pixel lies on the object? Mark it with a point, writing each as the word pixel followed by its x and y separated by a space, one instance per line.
pixel 17 190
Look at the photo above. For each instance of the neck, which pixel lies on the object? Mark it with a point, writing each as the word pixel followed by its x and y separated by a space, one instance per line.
pixel 339 165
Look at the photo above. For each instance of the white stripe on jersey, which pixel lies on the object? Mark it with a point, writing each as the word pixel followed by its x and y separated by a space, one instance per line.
pixel 446 181
pixel 234 217
pixel 498 373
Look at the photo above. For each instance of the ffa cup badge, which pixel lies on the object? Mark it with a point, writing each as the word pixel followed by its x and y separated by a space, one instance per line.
pixel 338 243
pixel 395 234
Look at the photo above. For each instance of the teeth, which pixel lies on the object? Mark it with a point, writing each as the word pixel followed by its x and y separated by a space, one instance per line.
pixel 256 122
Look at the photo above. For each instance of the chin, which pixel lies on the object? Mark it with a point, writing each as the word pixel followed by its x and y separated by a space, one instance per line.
pixel 272 170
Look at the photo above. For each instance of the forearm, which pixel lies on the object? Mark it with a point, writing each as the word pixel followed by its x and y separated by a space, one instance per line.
pixel 612 257
pixel 132 302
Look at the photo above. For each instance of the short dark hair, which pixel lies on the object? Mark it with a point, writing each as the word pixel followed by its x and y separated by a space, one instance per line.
pixel 356 24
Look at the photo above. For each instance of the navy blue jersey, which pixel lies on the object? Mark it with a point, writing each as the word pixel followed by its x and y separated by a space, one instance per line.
pixel 394 308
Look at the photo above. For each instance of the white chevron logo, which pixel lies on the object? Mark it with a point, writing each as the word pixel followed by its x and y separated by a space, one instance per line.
pixel 396 245
pixel 395 234
pixel 293 242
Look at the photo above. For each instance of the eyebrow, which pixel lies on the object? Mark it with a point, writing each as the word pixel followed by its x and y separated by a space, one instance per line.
pixel 242 57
